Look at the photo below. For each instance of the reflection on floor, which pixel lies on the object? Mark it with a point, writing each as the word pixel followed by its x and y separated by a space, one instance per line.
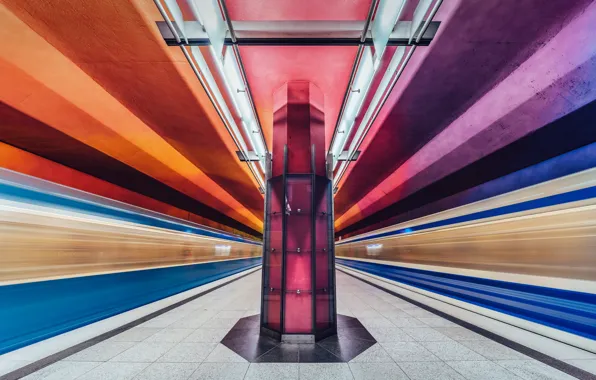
pixel 412 344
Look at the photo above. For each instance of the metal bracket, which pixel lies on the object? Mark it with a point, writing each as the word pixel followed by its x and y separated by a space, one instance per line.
pixel 343 156
pixel 248 156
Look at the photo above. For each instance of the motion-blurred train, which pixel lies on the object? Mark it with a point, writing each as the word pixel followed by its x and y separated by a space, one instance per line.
pixel 548 229
pixel 49 231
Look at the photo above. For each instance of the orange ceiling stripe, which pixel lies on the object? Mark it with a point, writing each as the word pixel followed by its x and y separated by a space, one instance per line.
pixel 27 51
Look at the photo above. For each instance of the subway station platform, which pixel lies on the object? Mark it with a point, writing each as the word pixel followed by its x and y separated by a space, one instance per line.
pixel 297 189
pixel 409 341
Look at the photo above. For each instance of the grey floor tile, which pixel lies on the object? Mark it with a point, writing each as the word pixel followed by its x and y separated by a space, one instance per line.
pixel 482 370
pixel 272 371
pixel 389 334
pixel 136 334
pixel 399 303
pixel 436 322
pixel 409 352
pixel 222 354
pixel 375 354
pixel 251 312
pixel 188 353
pixel 62 371
pixel 407 322
pixel 172 335
pixel 202 335
pixel 367 313
pixel 167 371
pixel 145 352
pixel 346 312
pixel 220 323
pixel 533 370
pixel 493 350
pixel 585 364
pixel 394 313
pixel 420 313
pixel 159 322
pixel 192 321
pixel 459 333
pixel 230 314
pixel 429 371
pixel 220 371
pixel 377 371
pixel 101 352
pixel 114 371
pixel 385 306
pixel 425 334
pixel 7 366
pixel 325 371
pixel 375 322
pixel 452 350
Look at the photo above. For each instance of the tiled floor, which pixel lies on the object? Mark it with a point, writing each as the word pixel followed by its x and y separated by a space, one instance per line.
pixel 413 344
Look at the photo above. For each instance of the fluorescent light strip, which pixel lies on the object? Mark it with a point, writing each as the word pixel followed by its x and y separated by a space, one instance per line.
pixel 214 28
pixel 419 13
pixel 388 12
pixel 377 103
pixel 177 14
pixel 209 14
pixel 429 19
pixel 360 87
pixel 227 117
pixel 387 15
pixel 227 64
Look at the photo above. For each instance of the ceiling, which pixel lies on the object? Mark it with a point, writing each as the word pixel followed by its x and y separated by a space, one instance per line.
pixel 91 85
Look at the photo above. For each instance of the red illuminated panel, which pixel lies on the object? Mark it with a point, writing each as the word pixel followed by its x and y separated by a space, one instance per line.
pixel 298 304
pixel 298 315
pixel 273 259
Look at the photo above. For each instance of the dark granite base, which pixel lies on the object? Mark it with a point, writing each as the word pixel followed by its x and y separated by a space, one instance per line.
pixel 351 340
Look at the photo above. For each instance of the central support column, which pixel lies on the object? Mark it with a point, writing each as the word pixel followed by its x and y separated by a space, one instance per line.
pixel 298 298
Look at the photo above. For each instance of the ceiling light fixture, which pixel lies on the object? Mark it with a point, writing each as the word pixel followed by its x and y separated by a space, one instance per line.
pixel 385 22
pixel 214 25
pixel 386 16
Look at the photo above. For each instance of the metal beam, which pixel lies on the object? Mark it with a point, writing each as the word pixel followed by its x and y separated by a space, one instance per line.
pixel 297 33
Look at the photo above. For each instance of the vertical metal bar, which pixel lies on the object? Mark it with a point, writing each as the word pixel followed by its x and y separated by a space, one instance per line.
pixel 313 251
pixel 331 248
pixel 284 241
pixel 266 249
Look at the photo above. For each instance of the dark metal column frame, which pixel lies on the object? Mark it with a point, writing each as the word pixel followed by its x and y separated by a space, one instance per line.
pixel 284 226
pixel 331 238
pixel 313 250
pixel 266 232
